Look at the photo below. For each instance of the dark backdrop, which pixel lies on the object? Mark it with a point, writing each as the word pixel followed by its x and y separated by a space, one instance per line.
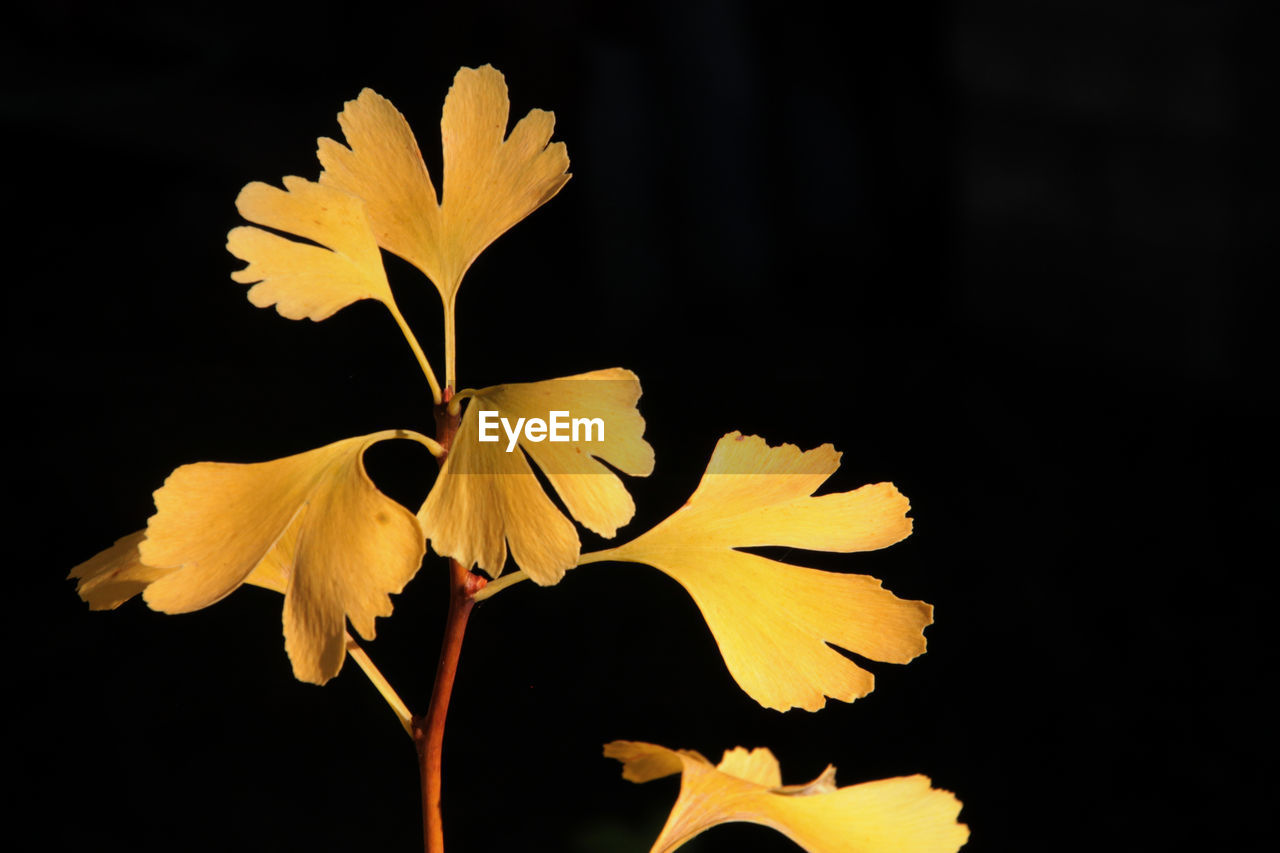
pixel 1008 259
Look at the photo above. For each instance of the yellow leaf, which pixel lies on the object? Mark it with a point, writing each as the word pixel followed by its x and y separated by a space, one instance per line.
pixel 301 279
pixel 111 577
pixel 490 183
pixel 115 575
pixel 901 815
pixel 773 621
pixel 487 497
pixel 311 525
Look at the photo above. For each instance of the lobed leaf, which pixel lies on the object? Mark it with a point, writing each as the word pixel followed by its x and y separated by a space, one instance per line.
pixel 302 279
pixel 773 621
pixel 901 815
pixel 490 183
pixel 487 498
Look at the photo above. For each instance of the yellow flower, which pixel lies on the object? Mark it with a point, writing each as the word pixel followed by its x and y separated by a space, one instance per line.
pixel 902 815
pixel 487 495
pixel 311 526
pixel 773 621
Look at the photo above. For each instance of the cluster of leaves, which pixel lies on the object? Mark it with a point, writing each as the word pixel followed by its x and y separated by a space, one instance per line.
pixel 314 527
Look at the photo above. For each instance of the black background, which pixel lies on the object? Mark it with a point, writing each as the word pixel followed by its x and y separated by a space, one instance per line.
pixel 1008 259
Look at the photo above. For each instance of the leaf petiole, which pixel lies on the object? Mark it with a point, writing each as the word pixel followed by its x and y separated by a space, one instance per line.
pixel 496 586
pixel 383 686
pixel 417 352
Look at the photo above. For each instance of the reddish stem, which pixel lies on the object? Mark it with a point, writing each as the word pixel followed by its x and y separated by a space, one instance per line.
pixel 428 729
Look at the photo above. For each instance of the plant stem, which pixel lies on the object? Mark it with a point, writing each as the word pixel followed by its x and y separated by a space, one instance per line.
pixel 497 586
pixel 428 730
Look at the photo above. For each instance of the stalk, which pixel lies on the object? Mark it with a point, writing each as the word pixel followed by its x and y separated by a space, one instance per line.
pixel 428 729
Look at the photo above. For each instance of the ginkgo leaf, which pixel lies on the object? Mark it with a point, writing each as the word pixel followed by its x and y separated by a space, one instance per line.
pixel 490 183
pixel 773 621
pixel 901 815
pixel 111 577
pixel 312 525
pixel 302 279
pixel 487 495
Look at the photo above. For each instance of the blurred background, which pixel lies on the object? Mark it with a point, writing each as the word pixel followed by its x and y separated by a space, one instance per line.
pixel 1008 258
